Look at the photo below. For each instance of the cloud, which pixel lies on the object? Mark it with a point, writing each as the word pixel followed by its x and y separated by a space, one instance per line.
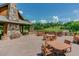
pixel 76 20
pixel 55 19
pixel 21 11
pixel 33 21
pixel 43 21
pixel 64 20
pixel 76 11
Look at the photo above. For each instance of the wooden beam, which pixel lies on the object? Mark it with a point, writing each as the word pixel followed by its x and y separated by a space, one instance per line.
pixel 5 25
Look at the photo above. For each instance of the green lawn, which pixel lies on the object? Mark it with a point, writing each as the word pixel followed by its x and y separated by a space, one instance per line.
pixel 53 29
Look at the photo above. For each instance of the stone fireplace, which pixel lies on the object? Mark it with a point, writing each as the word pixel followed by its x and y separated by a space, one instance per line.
pixel 13 31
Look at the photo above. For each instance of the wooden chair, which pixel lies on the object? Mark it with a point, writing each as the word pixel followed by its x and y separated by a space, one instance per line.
pixel 50 38
pixel 44 37
pixel 68 42
pixel 59 53
pixel 54 37
pixel 47 38
pixel 76 39
pixel 46 51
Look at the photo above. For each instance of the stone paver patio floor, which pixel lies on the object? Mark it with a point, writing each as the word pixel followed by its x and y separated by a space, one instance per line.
pixel 29 45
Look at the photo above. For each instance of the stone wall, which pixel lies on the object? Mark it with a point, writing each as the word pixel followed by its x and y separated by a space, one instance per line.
pixel 13 31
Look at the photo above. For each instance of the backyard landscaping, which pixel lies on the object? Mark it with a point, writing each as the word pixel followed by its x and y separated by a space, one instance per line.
pixel 71 27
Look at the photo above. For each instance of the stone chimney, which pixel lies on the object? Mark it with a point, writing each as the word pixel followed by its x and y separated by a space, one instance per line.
pixel 13 29
pixel 13 14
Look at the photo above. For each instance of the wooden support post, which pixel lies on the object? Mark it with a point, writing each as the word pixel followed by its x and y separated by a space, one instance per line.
pixel 31 28
pixel 5 29
pixel 21 29
pixel 5 25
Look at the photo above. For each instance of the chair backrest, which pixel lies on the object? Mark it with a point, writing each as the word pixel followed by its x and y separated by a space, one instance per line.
pixel 44 37
pixel 67 42
pixel 47 38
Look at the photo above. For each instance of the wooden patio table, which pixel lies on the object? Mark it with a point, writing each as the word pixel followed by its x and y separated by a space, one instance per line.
pixel 58 45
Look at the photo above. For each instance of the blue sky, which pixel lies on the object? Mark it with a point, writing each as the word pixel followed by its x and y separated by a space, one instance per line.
pixel 49 12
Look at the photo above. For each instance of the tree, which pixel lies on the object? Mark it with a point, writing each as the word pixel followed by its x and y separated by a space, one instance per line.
pixel 72 26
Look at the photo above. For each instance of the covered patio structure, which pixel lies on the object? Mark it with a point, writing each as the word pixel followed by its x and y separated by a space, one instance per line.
pixel 12 21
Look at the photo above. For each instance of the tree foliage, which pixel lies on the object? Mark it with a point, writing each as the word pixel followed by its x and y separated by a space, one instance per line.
pixel 72 26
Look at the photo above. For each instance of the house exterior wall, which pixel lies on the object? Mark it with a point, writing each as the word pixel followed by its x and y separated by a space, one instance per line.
pixel 4 11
